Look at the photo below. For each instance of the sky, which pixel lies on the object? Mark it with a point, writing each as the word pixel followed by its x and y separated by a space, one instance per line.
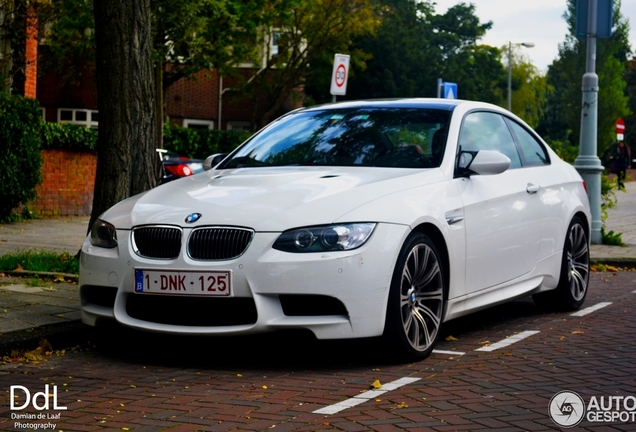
pixel 537 21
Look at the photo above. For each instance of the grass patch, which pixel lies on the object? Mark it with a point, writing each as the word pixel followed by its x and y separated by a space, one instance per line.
pixel 42 261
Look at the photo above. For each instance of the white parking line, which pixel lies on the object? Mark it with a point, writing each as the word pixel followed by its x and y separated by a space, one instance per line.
pixel 450 353
pixel 508 341
pixel 590 309
pixel 363 397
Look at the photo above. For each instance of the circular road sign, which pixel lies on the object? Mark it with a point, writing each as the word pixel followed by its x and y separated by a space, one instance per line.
pixel 341 75
pixel 620 126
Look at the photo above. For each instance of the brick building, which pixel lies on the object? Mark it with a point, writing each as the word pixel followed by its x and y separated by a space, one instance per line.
pixel 194 103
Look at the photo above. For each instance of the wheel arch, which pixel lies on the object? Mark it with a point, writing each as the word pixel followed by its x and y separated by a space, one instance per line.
pixel 587 225
pixel 440 243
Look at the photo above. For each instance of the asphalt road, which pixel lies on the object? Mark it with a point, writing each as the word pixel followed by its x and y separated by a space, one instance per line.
pixel 495 370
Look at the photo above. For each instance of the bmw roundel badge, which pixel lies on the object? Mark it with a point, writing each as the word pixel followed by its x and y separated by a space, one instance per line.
pixel 192 217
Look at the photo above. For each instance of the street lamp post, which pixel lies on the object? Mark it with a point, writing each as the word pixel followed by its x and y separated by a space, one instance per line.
pixel 524 44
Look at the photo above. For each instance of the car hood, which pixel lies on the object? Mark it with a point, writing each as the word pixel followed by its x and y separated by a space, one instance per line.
pixel 267 199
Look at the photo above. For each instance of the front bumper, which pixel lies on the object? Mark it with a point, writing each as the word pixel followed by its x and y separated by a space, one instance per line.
pixel 271 289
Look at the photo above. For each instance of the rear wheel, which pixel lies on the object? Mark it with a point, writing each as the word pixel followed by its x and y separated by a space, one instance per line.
pixel 575 272
pixel 416 299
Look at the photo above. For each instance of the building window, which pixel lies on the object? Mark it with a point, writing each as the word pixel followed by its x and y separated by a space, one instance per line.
pixel 80 117
pixel 198 124
pixel 239 125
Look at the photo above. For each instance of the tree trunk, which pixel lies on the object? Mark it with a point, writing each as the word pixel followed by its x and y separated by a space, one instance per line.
pixel 127 163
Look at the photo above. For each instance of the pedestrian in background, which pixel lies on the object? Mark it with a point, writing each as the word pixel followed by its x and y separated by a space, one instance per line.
pixel 622 161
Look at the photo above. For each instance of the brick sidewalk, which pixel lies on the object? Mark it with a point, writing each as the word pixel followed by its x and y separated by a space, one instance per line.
pixel 157 383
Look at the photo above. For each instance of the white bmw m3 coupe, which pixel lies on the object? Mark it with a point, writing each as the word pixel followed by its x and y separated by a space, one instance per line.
pixel 349 220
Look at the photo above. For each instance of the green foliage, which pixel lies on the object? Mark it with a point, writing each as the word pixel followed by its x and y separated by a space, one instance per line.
pixel 304 30
pixel 13 14
pixel 564 150
pixel 194 143
pixel 70 38
pixel 563 117
pixel 204 34
pixel 414 47
pixel 67 136
pixel 611 238
pixel 43 261
pixel 530 88
pixel 20 157
pixel 201 143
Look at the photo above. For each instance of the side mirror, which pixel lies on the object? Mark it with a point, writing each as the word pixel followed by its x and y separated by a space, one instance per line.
pixel 212 161
pixel 483 162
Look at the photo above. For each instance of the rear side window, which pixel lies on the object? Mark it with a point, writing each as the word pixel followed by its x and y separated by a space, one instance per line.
pixel 534 154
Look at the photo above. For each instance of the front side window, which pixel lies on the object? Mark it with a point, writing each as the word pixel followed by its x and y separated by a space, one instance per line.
pixel 380 137
pixel 488 131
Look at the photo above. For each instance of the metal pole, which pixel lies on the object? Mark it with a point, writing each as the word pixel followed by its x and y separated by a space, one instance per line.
pixel 587 163
pixel 219 116
pixel 439 88
pixel 509 76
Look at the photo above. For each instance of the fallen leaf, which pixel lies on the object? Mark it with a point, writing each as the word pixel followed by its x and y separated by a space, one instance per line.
pixel 578 332
pixel 59 278
pixel 451 338
pixel 265 387
pixel 376 384
pixel 402 405
pixel 19 268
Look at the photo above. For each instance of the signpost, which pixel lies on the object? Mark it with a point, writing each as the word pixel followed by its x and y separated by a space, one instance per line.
pixel 587 163
pixel 620 129
pixel 339 75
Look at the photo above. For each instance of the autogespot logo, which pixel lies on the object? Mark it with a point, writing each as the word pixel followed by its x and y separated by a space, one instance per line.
pixel 567 409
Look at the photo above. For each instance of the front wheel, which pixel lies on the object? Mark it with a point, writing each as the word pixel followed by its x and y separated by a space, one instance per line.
pixel 575 272
pixel 416 298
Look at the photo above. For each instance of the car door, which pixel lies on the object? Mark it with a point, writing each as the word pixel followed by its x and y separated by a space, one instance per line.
pixel 502 212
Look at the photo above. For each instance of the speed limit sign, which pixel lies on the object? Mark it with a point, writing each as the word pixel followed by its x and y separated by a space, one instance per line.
pixel 340 74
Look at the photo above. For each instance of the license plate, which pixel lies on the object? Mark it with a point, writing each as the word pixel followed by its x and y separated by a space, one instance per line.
pixel 208 283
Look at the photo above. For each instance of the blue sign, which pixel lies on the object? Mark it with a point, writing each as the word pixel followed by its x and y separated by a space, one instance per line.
pixel 604 18
pixel 450 90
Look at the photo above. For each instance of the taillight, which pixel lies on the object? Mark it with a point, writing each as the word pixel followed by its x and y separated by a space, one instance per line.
pixel 585 186
pixel 180 170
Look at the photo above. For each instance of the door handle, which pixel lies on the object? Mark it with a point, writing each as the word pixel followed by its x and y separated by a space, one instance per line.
pixel 533 188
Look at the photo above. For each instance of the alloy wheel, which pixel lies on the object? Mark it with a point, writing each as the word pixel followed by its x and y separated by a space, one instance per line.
pixel 421 297
pixel 578 262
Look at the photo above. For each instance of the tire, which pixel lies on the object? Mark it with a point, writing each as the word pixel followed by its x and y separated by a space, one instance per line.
pixel 575 272
pixel 417 298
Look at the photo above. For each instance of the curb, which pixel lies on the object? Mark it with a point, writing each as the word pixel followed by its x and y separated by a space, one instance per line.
pixel 616 262
pixel 48 275
pixel 60 336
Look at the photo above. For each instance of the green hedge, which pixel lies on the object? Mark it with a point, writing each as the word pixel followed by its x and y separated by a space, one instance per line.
pixel 201 143
pixel 66 136
pixel 20 157
pixel 193 143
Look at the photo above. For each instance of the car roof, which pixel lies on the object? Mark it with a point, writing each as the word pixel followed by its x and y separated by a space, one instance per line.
pixel 434 103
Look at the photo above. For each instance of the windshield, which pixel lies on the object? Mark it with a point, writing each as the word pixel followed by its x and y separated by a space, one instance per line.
pixel 363 136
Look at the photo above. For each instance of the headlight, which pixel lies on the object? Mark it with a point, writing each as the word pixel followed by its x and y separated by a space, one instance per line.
pixel 338 237
pixel 103 234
